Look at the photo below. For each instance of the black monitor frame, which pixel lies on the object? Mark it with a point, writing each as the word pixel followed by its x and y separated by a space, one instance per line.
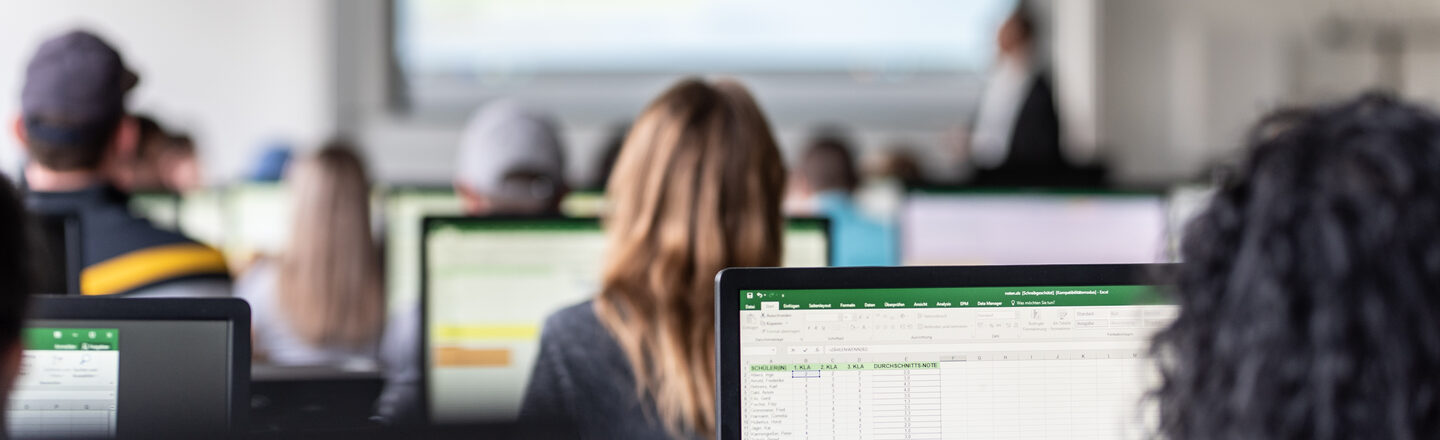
pixel 232 310
pixel 71 249
pixel 730 283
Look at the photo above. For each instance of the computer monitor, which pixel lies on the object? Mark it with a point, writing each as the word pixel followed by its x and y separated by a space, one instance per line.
pixel 1015 227
pixel 936 352
pixel 405 211
pixel 162 209
pixel 133 368
pixel 257 217
pixel 59 254
pixel 583 204
pixel 489 284
pixel 1183 205
pixel 202 216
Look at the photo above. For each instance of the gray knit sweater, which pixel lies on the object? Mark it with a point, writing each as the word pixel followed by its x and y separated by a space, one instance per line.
pixel 583 379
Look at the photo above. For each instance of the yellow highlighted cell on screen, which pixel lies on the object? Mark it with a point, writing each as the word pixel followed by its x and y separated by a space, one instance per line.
pixel 487 333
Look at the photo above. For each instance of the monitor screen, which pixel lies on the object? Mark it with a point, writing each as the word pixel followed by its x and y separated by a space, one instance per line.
pixel 258 219
pixel 490 284
pixel 405 209
pixel 961 362
pixel 126 378
pixel 161 209
pixel 1184 205
pixel 202 216
pixel 1003 228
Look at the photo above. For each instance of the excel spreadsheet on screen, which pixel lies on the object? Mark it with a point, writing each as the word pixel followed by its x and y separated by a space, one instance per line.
pixel 942 363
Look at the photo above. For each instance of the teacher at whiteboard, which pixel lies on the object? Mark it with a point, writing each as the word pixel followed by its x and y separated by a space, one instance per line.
pixel 1015 137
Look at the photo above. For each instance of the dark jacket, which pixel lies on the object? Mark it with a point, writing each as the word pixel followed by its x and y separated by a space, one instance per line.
pixel 582 379
pixel 1035 155
pixel 125 254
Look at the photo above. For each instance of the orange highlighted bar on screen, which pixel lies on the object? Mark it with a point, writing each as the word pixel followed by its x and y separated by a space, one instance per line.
pixel 469 357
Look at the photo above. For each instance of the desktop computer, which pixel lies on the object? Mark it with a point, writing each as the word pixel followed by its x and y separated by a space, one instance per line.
pixel 489 284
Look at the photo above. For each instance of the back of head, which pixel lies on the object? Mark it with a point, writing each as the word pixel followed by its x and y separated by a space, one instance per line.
pixel 1308 304
pixel 152 137
pixel 330 286
pixel 512 156
pixel 697 188
pixel 829 165
pixel 73 101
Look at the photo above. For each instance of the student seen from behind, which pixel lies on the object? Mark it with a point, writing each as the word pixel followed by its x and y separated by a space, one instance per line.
pixel 697 189
pixel 1308 297
pixel 16 268
pixel 75 129
pixel 824 184
pixel 162 162
pixel 511 162
pixel 322 301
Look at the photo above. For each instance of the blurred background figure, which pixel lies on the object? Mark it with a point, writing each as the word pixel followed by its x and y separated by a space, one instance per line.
pixel 322 302
pixel 511 162
pixel 824 184
pixel 697 188
pixel 163 162
pixel 272 162
pixel 178 165
pixel 1015 139
pixel 75 127
pixel 898 164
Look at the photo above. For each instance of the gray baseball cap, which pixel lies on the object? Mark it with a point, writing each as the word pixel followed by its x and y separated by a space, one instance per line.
pixel 74 82
pixel 503 138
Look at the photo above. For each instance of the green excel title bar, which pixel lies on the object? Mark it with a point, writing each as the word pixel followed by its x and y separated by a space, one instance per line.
pixel 72 339
pixel 949 297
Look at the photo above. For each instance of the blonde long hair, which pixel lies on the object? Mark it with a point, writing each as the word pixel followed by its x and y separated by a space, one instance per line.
pixel 330 282
pixel 697 188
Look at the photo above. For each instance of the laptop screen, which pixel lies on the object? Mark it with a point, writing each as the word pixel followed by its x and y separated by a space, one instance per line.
pixel 961 362
pixel 127 378
pixel 491 282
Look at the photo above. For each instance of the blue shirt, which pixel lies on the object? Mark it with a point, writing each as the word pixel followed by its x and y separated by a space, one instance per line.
pixel 857 239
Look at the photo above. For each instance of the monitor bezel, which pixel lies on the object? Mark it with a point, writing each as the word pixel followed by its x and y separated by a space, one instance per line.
pixel 234 311
pixel 730 282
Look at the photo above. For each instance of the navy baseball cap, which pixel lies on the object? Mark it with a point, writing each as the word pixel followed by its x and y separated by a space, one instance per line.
pixel 75 86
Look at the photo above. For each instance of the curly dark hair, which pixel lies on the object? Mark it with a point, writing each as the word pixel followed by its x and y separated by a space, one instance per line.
pixel 1310 290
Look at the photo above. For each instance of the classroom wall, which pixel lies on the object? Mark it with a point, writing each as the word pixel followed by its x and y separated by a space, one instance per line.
pixel 1181 81
pixel 1169 85
pixel 236 73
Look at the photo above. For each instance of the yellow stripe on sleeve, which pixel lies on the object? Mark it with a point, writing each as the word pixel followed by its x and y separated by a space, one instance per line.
pixel 146 266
